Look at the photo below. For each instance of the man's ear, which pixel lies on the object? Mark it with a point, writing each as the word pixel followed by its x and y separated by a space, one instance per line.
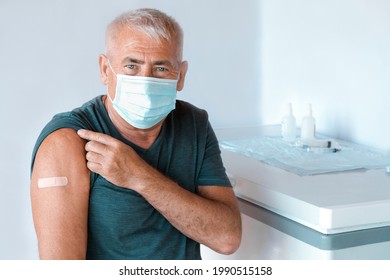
pixel 103 66
pixel 182 75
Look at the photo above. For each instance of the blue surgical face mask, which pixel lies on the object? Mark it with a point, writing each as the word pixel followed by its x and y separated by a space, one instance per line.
pixel 143 101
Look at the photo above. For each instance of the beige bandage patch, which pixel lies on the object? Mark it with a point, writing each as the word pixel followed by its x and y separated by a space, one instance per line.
pixel 52 182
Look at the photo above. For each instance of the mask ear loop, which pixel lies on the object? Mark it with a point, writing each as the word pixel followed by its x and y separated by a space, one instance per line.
pixel 109 64
pixel 108 94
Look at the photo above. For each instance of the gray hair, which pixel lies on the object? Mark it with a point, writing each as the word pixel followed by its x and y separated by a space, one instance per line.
pixel 152 22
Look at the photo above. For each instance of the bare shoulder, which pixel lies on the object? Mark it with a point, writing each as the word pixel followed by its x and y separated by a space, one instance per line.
pixel 59 147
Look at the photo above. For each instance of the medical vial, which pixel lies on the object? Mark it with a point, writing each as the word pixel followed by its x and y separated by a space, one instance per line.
pixel 289 124
pixel 308 127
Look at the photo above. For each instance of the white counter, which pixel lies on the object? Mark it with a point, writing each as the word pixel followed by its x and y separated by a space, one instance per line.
pixel 329 203
pixel 329 211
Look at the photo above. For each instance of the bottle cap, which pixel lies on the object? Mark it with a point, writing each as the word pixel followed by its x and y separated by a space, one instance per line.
pixel 309 109
pixel 289 110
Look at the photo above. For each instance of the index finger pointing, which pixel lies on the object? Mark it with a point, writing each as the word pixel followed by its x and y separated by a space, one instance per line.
pixel 94 136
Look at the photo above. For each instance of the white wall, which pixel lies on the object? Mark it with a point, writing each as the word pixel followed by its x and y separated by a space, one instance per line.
pixel 334 54
pixel 48 54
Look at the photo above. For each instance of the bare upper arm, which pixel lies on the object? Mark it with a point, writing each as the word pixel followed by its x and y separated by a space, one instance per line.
pixel 61 213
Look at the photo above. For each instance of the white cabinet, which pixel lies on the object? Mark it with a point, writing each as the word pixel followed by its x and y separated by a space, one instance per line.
pixel 340 215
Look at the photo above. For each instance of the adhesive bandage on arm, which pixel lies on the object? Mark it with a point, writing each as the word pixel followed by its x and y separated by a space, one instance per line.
pixel 52 182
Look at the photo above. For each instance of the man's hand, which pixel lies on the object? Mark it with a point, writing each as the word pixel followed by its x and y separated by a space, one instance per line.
pixel 117 162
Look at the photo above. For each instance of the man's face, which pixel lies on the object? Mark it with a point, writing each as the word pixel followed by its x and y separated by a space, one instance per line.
pixel 132 52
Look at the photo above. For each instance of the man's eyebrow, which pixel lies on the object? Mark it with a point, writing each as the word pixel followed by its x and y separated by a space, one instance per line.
pixel 163 62
pixel 139 61
pixel 132 60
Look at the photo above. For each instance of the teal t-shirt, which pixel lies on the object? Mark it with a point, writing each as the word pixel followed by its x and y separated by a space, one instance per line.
pixel 121 223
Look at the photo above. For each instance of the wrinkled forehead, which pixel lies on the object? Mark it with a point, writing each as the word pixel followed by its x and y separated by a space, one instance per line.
pixel 121 37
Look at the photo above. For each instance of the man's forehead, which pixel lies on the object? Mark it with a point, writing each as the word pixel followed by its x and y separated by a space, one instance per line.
pixel 126 41
pixel 127 38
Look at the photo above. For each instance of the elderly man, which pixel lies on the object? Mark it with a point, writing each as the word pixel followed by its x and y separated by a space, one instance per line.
pixel 135 173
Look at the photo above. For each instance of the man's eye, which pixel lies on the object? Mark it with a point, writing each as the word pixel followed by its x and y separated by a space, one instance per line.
pixel 130 67
pixel 161 69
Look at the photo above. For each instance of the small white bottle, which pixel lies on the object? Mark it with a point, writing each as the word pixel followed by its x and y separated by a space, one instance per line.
pixel 289 125
pixel 308 128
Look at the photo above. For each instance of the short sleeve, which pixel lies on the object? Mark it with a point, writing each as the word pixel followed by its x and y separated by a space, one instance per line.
pixel 212 172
